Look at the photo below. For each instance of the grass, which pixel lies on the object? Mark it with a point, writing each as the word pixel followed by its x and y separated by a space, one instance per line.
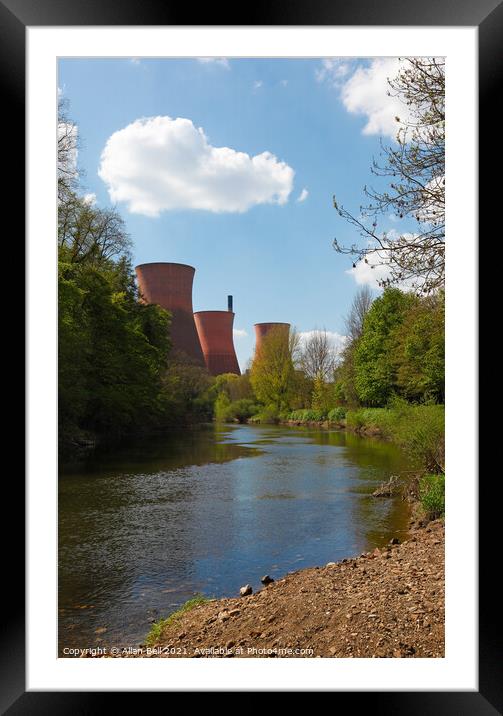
pixel 432 495
pixel 158 627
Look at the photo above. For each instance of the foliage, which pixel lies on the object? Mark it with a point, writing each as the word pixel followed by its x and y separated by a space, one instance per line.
pixel 399 351
pixel 237 410
pixel 368 419
pixel 158 627
pixel 336 415
pixel 112 352
pixel 418 429
pixel 432 495
pixel 307 416
pixel 415 166
pixel 186 392
pixel 268 414
pixel 419 351
pixel 374 367
pixel 273 373
pixel 221 407
pixel 234 386
pixel 243 409
pixel 90 234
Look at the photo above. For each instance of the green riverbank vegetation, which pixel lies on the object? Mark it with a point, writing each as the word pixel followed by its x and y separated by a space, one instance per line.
pixel 117 372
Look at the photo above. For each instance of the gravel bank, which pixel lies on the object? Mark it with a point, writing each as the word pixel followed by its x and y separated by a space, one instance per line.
pixel 387 603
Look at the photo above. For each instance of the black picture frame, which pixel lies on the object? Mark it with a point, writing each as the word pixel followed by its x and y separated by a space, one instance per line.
pixel 15 17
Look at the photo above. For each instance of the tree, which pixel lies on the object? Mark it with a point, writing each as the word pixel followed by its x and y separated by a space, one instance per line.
pixel 86 233
pixel 318 359
pixel 318 356
pixel 374 365
pixel 357 312
pixel 345 390
pixel 273 374
pixel 419 351
pixel 416 168
pixel 112 353
pixel 68 173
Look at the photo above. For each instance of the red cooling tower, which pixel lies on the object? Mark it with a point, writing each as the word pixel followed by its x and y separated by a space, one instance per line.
pixel 170 286
pixel 215 334
pixel 262 329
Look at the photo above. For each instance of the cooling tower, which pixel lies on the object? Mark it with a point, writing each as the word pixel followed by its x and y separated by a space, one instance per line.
pixel 215 334
pixel 170 286
pixel 262 329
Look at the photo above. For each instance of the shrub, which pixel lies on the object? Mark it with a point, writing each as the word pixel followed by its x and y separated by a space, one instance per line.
pixel 373 418
pixel 241 410
pixel 307 416
pixel 432 495
pixel 222 405
pixel 336 414
pixel 267 414
pixel 420 430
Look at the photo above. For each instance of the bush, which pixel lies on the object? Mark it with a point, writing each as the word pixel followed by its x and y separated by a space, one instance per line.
pixel 307 416
pixel 267 414
pixel 241 410
pixel 432 495
pixel 418 429
pixel 336 414
pixel 369 418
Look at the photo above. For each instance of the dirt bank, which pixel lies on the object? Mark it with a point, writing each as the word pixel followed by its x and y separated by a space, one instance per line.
pixel 388 603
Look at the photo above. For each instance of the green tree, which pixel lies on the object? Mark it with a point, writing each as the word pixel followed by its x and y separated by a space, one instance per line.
pixel 112 352
pixel 272 373
pixel 419 351
pixel 374 367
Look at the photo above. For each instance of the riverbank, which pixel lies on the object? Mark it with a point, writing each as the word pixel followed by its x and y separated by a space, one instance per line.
pixel 386 603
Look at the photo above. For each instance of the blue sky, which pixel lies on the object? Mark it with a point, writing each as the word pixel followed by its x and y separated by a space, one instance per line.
pixel 319 121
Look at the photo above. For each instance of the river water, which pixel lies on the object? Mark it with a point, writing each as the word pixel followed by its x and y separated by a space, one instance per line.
pixel 144 528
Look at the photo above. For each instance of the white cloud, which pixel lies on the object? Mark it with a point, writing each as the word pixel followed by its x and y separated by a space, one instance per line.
pixel 365 92
pixel 257 84
pixel 369 274
pixel 332 70
pixel 303 195
pixel 337 340
pixel 221 61
pixel 90 199
pixel 160 164
pixel 135 61
pixel 239 333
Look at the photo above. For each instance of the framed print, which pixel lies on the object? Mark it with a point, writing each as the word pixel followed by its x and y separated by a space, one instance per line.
pixel 241 440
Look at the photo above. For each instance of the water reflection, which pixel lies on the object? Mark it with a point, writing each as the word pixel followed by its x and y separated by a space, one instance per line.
pixel 143 528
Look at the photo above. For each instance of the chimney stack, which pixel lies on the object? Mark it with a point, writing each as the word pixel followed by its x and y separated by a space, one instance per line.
pixel 229 303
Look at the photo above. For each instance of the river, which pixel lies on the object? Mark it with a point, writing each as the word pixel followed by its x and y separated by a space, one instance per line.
pixel 145 527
